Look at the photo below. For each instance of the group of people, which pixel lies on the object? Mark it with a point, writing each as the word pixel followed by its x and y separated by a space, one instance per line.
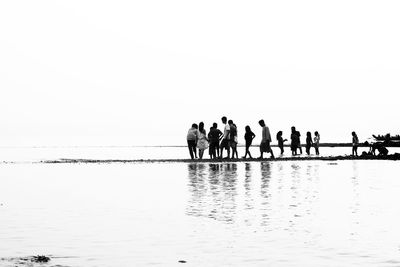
pixel 218 141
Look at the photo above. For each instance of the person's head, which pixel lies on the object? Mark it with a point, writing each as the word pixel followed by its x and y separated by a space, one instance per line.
pixel 279 134
pixel 223 119
pixel 293 129
pixel 211 128
pixel 194 125
pixel 316 133
pixel 309 134
pixel 201 126
pixel 261 122
pixel 215 125
pixel 230 122
pixel 247 128
pixel 353 133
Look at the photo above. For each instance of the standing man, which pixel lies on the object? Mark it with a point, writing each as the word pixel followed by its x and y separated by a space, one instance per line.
pixel 214 136
pixel 225 138
pixel 192 140
pixel 265 145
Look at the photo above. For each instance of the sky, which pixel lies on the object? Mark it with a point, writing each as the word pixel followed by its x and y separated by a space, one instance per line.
pixel 141 72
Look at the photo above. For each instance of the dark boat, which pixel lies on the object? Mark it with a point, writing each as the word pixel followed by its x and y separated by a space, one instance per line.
pixel 387 137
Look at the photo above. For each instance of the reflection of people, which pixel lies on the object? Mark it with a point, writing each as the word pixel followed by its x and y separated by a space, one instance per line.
pixel 265 145
pixel 248 137
pixel 225 138
pixel 202 141
pixel 192 139
pixel 308 143
pixel 280 141
pixel 355 143
pixel 214 136
pixel 316 142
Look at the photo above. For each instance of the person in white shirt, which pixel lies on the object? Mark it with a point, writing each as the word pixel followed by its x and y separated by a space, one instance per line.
pixel 225 138
pixel 265 145
pixel 192 140
pixel 316 142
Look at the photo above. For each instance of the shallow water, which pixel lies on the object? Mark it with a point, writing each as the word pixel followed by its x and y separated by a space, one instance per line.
pixel 306 213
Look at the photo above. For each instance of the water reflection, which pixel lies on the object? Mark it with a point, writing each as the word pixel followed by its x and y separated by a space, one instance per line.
pixel 277 195
pixel 214 197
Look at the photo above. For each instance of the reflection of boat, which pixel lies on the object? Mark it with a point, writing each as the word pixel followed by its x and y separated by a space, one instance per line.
pixel 386 137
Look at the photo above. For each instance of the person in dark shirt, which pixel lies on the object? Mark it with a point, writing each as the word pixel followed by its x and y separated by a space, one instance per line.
pixel 308 143
pixel 214 137
pixel 248 137
pixel 280 141
pixel 295 141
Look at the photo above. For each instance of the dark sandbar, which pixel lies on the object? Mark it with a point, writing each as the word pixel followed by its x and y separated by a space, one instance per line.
pixel 330 158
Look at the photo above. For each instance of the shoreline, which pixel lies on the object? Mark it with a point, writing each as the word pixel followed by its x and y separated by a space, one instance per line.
pixel 393 157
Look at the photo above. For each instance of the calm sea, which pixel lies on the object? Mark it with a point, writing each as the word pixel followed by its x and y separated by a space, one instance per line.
pixel 302 213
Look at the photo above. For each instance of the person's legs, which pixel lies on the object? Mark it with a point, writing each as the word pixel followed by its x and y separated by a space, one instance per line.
pixel 270 150
pixel 191 143
pixel 201 151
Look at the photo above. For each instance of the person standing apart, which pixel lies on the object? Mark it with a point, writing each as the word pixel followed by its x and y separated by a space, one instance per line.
pixel 265 145
pixel 202 141
pixel 309 143
pixel 248 137
pixel 355 144
pixel 316 142
pixel 225 138
pixel 280 141
pixel 192 140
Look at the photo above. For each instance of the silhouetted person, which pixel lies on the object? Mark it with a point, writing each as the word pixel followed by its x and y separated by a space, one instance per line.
pixel 265 145
pixel 192 140
pixel 233 139
pixel 248 137
pixel 225 138
pixel 202 141
pixel 295 141
pixel 299 146
pixel 316 142
pixel 380 146
pixel 280 141
pixel 309 143
pixel 355 143
pixel 214 136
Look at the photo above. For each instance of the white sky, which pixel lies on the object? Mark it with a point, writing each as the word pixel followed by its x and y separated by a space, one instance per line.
pixel 141 72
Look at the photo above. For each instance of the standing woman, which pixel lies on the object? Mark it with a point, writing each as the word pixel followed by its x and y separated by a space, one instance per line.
pixel 355 143
pixel 248 136
pixel 316 143
pixel 202 140
pixel 308 143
